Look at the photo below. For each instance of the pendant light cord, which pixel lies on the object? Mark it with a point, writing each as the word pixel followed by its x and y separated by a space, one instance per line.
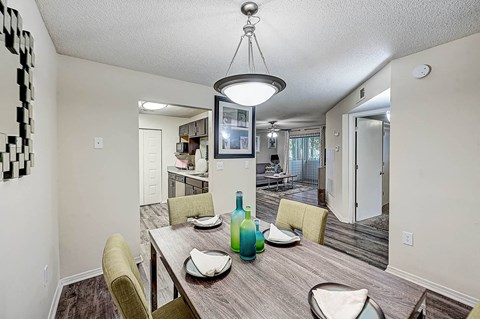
pixel 251 60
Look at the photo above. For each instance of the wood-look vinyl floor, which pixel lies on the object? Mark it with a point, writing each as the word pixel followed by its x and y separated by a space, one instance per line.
pixel 90 298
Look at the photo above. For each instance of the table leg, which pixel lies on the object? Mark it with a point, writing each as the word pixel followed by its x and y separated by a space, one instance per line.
pixel 153 278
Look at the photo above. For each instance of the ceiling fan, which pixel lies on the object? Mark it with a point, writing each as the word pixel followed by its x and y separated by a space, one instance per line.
pixel 273 129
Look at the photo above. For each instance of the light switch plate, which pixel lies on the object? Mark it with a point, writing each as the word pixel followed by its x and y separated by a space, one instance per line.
pixel 247 164
pixel 219 166
pixel 407 238
pixel 98 142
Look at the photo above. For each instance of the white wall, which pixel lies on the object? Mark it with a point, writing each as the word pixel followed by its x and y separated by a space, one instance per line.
pixel 435 171
pixel 237 174
pixel 99 188
pixel 28 206
pixel 264 155
pixel 386 164
pixel 374 86
pixel 169 126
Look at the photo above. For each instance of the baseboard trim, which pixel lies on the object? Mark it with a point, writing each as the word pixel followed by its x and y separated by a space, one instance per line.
pixel 56 299
pixel 340 218
pixel 455 295
pixel 73 279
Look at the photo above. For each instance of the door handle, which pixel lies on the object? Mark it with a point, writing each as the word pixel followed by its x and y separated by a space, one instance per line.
pixel 382 173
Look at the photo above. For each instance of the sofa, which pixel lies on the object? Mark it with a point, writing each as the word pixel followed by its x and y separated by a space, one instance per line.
pixel 263 169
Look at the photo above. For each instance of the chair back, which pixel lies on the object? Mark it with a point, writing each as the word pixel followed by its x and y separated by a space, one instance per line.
pixel 181 208
pixel 311 220
pixel 475 313
pixel 123 279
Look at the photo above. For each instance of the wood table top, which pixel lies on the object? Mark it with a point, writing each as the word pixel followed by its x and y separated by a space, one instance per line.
pixel 277 282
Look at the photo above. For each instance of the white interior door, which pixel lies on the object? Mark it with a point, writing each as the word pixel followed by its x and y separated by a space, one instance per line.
pixel 369 168
pixel 150 164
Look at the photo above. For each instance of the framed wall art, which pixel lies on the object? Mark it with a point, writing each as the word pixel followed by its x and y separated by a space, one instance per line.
pixel 234 129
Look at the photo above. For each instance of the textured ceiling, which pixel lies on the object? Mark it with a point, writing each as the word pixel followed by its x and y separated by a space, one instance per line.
pixel 322 49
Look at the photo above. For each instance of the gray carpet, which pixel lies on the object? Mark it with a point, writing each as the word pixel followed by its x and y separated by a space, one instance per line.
pixel 379 222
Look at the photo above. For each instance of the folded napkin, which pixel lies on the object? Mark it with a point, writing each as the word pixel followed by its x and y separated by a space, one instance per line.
pixel 278 235
pixel 208 265
pixel 340 304
pixel 207 222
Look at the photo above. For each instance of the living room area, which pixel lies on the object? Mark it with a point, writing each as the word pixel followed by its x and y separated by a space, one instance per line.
pixel 289 164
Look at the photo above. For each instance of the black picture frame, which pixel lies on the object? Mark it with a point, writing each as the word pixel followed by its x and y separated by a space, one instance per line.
pixel 239 120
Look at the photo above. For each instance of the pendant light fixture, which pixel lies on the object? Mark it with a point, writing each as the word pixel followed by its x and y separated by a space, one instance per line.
pixel 250 88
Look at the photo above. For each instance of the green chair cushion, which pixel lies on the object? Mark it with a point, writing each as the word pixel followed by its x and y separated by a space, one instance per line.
pixel 311 220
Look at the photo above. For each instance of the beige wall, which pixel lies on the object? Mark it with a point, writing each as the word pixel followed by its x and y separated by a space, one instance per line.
pixel 435 171
pixel 28 206
pixel 99 188
pixel 264 155
pixel 374 86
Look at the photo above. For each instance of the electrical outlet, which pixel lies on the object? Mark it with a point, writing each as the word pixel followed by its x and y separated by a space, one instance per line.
pixel 219 166
pixel 407 238
pixel 45 275
pixel 98 142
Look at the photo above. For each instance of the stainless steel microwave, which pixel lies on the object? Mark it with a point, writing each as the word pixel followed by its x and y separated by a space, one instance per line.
pixel 182 147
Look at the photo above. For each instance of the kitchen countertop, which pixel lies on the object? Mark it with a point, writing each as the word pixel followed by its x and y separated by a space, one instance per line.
pixel 184 172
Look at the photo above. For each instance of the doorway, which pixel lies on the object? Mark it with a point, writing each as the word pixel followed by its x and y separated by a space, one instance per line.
pixel 304 158
pixel 150 160
pixel 372 170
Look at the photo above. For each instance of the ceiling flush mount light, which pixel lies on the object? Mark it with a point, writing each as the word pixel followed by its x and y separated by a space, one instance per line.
pixel 152 106
pixel 250 88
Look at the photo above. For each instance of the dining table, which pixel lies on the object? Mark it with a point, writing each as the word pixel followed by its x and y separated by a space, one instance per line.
pixel 276 284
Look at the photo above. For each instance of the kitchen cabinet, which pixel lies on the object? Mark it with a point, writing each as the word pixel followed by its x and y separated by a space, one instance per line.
pixel 202 127
pixel 183 130
pixel 194 129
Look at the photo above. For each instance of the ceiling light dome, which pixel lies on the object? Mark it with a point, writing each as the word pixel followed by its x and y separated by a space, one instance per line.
pixel 251 88
pixel 152 106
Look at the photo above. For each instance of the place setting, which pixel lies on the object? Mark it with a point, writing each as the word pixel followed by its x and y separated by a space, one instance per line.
pixel 337 301
pixel 280 237
pixel 206 222
pixel 207 264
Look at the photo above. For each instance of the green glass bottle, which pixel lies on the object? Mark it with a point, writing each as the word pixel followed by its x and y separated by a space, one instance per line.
pixel 260 241
pixel 248 238
pixel 237 217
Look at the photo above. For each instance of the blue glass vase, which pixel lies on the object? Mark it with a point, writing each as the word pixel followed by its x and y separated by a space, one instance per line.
pixel 237 217
pixel 248 238
pixel 260 240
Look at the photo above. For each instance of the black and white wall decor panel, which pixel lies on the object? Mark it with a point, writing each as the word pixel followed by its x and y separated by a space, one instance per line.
pixel 17 61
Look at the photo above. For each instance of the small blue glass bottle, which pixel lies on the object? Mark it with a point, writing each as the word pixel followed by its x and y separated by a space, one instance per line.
pixel 248 238
pixel 238 216
pixel 260 240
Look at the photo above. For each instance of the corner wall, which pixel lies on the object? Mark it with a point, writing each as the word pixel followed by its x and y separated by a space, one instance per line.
pixel 435 171
pixel 99 192
pixel 28 206
pixel 373 86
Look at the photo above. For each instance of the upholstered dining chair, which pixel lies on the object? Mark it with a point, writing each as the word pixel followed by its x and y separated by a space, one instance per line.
pixel 181 208
pixel 125 285
pixel 311 220
pixel 475 313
